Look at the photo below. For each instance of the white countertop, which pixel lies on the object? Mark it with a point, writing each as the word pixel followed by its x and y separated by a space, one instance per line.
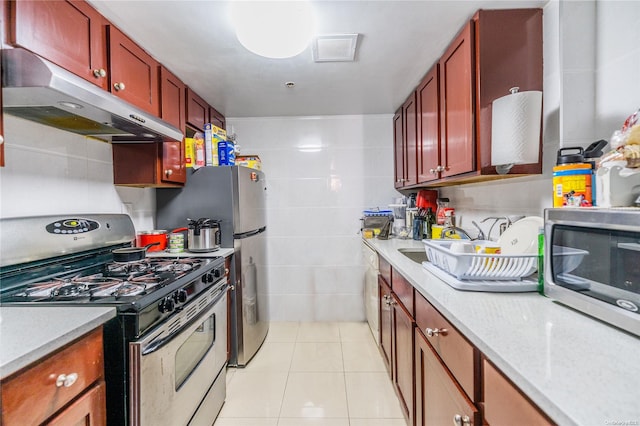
pixel 30 333
pixel 577 369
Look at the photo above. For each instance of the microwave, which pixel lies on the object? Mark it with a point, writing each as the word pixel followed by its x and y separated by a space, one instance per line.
pixel 592 263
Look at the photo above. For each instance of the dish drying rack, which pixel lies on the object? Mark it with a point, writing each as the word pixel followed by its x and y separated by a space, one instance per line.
pixel 477 266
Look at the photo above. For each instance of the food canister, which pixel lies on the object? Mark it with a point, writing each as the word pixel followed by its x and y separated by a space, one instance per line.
pixel 572 180
pixel 176 242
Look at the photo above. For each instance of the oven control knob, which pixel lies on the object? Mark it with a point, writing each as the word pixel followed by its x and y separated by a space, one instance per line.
pixel 166 305
pixel 208 278
pixel 180 296
pixel 218 273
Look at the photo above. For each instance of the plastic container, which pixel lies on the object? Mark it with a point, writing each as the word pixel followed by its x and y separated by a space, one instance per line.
pixel 443 204
pixel 573 179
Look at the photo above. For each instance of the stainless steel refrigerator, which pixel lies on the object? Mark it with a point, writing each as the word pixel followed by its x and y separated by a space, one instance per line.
pixel 235 196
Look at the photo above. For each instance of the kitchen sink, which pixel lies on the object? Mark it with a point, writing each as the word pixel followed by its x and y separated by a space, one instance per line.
pixel 416 255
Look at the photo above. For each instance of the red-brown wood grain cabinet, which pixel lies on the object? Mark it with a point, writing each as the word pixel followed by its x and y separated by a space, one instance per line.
pixel 172 110
pixel 504 404
pixel 428 122
pixel 403 365
pixel 410 117
pixel 439 398
pixel 39 392
pixel 386 324
pixel 197 110
pixel 134 73
pixel 399 154
pixel 456 110
pixel 69 33
pixel 216 118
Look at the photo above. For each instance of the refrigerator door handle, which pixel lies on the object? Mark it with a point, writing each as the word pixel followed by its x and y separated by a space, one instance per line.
pixel 248 234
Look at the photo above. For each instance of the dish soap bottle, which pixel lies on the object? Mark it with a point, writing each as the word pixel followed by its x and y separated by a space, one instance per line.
pixel 429 221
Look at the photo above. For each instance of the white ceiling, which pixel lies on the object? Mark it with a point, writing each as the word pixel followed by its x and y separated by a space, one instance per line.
pixel 399 40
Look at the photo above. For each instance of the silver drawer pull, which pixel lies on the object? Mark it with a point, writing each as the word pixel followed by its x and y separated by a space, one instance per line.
pixel 66 380
pixel 459 420
pixel 118 86
pixel 435 331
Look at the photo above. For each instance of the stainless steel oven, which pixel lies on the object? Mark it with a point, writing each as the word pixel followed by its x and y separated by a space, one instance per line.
pixel 174 366
pixel 592 262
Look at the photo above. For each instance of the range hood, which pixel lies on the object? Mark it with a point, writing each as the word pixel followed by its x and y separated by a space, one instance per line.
pixel 38 90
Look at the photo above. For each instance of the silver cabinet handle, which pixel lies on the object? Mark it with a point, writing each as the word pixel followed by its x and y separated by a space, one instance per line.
pixel 168 172
pixel 119 86
pixel 99 73
pixel 66 380
pixel 1 139
pixel 431 332
pixel 440 169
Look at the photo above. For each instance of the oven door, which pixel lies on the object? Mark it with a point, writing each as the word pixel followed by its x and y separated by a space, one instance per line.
pixel 173 368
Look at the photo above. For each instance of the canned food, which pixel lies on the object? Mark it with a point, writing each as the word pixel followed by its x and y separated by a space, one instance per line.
pixel 176 243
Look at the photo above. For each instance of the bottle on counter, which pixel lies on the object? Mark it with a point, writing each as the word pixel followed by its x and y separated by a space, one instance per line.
pixel 443 204
pixel 429 221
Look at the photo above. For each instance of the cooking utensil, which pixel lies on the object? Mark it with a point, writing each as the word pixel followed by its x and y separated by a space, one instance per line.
pixel 131 254
pixel 160 236
pixel 203 235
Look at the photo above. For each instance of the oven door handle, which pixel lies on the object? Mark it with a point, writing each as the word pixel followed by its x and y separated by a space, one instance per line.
pixel 162 340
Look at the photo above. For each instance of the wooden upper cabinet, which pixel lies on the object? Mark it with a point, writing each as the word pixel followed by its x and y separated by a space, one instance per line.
pixel 508 54
pixel 216 118
pixel 504 405
pixel 172 109
pixel 69 33
pixel 428 103
pixel 398 149
pixel 410 117
pixel 456 90
pixel 134 73
pixel 197 110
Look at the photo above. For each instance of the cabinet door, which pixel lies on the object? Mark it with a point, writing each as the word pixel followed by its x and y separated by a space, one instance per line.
pixel 403 356
pixel 439 399
pixel 173 111
pixel 134 73
pixel 89 409
pixel 427 98
pixel 505 405
pixel 410 140
pixel 197 110
pixel 386 323
pixel 216 118
pixel 398 149
pixel 70 34
pixel 456 110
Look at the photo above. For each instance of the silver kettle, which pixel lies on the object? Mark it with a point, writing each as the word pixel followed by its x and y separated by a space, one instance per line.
pixel 203 235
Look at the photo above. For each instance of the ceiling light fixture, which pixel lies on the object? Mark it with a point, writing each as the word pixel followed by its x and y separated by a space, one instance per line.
pixel 273 29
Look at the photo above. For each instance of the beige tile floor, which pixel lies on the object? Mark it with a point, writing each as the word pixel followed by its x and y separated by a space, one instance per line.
pixel 320 374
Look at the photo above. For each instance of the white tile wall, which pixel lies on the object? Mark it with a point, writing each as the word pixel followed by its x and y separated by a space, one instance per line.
pixel 50 171
pixel 321 173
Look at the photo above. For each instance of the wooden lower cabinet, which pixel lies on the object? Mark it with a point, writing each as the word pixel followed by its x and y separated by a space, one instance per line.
pixel 386 323
pixel 504 405
pixel 65 388
pixel 439 398
pixel 403 326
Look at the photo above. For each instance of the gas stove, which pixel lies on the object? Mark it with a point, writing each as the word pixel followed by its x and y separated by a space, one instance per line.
pixel 68 262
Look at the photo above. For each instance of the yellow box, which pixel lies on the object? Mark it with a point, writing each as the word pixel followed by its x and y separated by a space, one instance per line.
pixel 251 161
pixel 189 152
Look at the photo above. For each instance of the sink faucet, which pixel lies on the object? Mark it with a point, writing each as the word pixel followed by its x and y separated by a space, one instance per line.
pixel 507 223
pixel 455 230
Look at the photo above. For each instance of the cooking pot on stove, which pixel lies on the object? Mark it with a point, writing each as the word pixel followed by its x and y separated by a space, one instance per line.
pixel 203 235
pixel 159 236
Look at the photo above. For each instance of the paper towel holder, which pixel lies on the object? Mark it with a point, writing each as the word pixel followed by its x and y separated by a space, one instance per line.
pixel 515 129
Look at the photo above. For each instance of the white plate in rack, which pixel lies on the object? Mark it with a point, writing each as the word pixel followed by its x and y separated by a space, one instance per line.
pixel 522 236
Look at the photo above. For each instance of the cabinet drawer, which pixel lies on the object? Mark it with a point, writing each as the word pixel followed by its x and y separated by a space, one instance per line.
pixel 456 352
pixel 504 404
pixel 89 409
pixel 32 396
pixel 404 290
pixel 385 269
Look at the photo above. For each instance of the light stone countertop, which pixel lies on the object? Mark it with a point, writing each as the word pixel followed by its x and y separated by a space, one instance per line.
pixel 578 370
pixel 28 334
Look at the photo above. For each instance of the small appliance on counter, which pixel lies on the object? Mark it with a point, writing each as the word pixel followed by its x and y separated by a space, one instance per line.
pixel 203 235
pixel 605 282
pixel 374 221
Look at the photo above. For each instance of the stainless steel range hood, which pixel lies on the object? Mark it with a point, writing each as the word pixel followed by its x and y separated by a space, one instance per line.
pixel 38 90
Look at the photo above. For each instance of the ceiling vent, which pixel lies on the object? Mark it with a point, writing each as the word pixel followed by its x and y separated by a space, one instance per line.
pixel 335 48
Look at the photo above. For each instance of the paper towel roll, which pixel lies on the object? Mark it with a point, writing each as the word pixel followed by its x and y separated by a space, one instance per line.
pixel 515 129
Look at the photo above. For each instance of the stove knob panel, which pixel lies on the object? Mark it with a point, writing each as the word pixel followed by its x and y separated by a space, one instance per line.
pixel 180 296
pixel 208 278
pixel 166 305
